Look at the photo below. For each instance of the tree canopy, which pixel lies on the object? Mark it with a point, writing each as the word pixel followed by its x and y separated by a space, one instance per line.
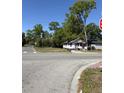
pixel 53 26
pixel 73 27
pixel 81 9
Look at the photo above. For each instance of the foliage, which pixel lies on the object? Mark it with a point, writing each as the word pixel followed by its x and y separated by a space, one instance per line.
pixel 72 24
pixel 81 9
pixel 38 29
pixel 59 38
pixel 23 39
pixel 53 26
pixel 93 32
pixel 73 27
pixel 30 37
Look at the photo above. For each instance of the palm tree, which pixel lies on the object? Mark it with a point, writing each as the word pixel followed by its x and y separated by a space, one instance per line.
pixel 30 36
pixel 38 31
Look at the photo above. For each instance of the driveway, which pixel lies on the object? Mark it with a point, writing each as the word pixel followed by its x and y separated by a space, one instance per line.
pixel 51 72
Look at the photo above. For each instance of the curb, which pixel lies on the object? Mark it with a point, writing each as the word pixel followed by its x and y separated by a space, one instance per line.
pixel 83 52
pixel 74 83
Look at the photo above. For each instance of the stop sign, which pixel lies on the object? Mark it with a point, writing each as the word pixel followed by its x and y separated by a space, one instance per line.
pixel 100 24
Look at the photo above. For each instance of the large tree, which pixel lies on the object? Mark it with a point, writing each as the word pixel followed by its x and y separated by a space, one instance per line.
pixel 81 9
pixel 72 24
pixel 72 27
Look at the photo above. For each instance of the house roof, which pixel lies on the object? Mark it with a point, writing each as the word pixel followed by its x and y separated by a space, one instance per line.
pixel 77 41
pixel 66 42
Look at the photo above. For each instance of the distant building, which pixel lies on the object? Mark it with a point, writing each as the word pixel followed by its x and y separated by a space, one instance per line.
pixel 79 44
pixel 74 44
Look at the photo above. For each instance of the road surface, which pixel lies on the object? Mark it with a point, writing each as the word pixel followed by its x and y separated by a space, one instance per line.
pixel 51 72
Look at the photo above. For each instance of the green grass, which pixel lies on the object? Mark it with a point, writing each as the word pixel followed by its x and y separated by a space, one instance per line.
pixel 91 81
pixel 48 49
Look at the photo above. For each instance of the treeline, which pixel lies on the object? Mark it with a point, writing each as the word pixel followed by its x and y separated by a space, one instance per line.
pixel 73 27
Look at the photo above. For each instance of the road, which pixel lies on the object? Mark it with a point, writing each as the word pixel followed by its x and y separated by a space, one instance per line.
pixel 51 72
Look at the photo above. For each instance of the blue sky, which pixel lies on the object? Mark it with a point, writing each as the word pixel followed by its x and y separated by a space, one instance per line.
pixel 45 11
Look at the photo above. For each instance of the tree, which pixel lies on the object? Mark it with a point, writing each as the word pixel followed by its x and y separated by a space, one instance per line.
pixel 38 29
pixel 47 41
pixel 72 24
pixel 53 26
pixel 23 39
pixel 30 37
pixel 72 27
pixel 59 38
pixel 81 9
pixel 46 35
pixel 93 32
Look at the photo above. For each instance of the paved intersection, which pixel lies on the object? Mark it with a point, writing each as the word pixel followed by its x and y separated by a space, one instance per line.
pixel 51 72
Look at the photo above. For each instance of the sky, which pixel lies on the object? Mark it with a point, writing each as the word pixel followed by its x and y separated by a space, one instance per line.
pixel 44 11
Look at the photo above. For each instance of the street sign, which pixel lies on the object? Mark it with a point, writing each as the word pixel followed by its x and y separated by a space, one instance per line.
pixel 100 24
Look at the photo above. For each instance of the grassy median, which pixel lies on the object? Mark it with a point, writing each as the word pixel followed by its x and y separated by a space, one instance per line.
pixel 48 49
pixel 91 81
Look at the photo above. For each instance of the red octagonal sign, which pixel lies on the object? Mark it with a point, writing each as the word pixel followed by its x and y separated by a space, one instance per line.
pixel 100 24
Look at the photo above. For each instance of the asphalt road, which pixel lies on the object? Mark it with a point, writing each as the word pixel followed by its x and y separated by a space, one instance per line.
pixel 51 72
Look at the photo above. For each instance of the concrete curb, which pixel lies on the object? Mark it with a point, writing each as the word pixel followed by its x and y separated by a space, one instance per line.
pixel 74 83
pixel 83 52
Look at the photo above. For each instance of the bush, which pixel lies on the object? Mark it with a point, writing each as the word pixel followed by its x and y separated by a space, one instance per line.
pixel 23 42
pixel 93 48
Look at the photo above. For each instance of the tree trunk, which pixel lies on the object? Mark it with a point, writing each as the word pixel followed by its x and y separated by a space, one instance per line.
pixel 85 32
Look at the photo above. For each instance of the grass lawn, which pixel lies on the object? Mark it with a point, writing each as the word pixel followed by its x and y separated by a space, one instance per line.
pixel 91 81
pixel 39 49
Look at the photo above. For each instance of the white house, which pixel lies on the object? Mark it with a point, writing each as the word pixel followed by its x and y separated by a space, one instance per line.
pixel 80 44
pixel 74 44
